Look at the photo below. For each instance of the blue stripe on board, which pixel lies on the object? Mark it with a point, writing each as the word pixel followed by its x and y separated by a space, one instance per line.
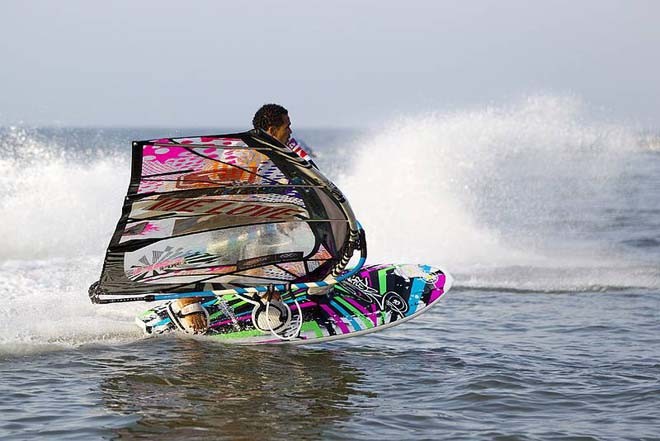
pixel 300 299
pixel 416 291
pixel 346 314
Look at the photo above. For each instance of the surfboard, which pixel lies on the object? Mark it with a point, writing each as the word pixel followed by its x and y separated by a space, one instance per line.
pixel 376 298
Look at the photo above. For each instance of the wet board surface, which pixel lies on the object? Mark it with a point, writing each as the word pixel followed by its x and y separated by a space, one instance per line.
pixel 377 298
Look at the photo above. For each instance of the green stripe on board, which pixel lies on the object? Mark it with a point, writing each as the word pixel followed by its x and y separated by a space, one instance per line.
pixel 368 323
pixel 240 302
pixel 307 326
pixel 382 280
pixel 216 314
pixel 229 306
pixel 239 334
pixel 237 301
pixel 312 326
pixel 341 288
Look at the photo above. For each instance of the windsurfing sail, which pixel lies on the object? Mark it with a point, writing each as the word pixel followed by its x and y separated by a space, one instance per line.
pixel 225 211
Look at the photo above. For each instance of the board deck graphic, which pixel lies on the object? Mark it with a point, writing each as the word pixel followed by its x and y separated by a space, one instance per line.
pixel 378 297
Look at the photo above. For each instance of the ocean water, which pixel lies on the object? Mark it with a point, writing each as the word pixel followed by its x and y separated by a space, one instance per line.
pixel 547 217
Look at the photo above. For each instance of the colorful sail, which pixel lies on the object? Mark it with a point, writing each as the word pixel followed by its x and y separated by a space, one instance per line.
pixel 225 211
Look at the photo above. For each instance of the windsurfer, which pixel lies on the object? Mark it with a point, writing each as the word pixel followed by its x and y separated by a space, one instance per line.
pixel 272 119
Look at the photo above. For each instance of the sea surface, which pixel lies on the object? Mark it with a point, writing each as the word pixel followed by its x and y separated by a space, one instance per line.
pixel 547 217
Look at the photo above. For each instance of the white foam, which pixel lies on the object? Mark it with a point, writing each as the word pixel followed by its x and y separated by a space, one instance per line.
pixel 44 306
pixel 55 204
pixel 495 187
pixel 59 211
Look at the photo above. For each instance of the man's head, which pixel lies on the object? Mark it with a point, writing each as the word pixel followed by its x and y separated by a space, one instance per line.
pixel 274 120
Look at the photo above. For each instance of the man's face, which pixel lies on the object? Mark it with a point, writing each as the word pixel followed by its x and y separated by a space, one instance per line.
pixel 282 133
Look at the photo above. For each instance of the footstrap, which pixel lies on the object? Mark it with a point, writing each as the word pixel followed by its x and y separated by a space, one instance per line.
pixel 176 314
pixel 193 308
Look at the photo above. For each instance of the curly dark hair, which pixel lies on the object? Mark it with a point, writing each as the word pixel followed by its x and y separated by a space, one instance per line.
pixel 269 115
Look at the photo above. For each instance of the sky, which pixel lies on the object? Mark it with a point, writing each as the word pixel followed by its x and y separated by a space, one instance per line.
pixel 331 63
